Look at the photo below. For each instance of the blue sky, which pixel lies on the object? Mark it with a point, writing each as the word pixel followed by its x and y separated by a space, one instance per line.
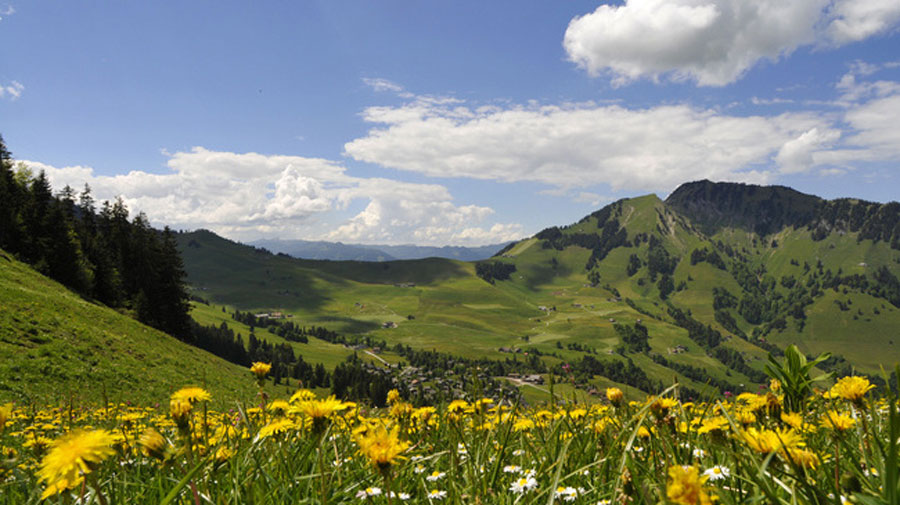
pixel 464 122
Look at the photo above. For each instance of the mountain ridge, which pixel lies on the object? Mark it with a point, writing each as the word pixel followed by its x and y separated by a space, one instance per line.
pixel 767 209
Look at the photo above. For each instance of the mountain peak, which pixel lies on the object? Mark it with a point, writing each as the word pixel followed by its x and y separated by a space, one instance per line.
pixel 761 209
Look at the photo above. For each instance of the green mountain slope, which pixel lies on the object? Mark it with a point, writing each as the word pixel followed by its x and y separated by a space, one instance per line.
pixel 698 288
pixel 56 347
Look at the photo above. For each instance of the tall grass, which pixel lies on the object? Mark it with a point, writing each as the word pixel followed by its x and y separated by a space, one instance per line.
pixel 310 450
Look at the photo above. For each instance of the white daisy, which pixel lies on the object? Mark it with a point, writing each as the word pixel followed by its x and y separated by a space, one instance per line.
pixel 523 485
pixel 436 494
pixel 717 472
pixel 435 476
pixel 369 491
pixel 566 493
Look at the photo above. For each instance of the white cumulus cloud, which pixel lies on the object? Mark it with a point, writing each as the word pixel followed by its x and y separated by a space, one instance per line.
pixel 249 195
pixel 854 20
pixel 798 155
pixel 714 42
pixel 579 145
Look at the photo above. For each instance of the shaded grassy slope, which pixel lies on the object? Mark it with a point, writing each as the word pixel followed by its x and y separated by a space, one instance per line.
pixel 56 347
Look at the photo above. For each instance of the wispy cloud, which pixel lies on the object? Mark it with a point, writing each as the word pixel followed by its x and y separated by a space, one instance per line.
pixel 770 101
pixel 383 85
pixel 6 11
pixel 12 90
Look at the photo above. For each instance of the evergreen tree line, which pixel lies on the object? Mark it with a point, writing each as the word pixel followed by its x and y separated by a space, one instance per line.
pixel 284 329
pixel 709 339
pixel 635 338
pixel 355 380
pixel 711 257
pixel 492 271
pixel 223 342
pixel 611 235
pixel 98 253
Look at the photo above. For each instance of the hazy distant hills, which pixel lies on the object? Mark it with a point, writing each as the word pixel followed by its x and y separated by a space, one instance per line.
pixel 337 251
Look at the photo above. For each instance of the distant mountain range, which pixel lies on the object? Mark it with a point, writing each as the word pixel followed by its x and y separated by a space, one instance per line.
pixel 337 251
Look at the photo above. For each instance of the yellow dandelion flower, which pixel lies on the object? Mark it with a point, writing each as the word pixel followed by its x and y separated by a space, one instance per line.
pixel 752 401
pixel 717 424
pixel 795 420
pixel 802 457
pixel 745 417
pixel 154 444
pixel 180 410
pixel 381 446
pixel 222 433
pixel 767 441
pixel 577 413
pixel 660 406
pixel 191 395
pixel 600 425
pixel 424 414
pixel 302 395
pixel 317 409
pixel 5 413
pixel 260 369
pixel 837 421
pixel 401 409
pixel 278 407
pixel 483 403
pixel 37 443
pixel 543 416
pixel 523 424
pixel 276 427
pixel 71 457
pixel 393 396
pixel 614 395
pixel 686 486
pixel 792 419
pixel 223 454
pixel 851 388
pixel 457 409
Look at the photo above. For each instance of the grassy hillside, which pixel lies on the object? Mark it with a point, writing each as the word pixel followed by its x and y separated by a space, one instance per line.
pixel 56 347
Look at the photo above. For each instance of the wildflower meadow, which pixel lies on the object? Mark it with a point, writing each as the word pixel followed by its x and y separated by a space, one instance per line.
pixel 831 446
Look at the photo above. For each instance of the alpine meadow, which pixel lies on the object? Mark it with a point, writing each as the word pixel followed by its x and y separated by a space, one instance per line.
pixel 615 252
